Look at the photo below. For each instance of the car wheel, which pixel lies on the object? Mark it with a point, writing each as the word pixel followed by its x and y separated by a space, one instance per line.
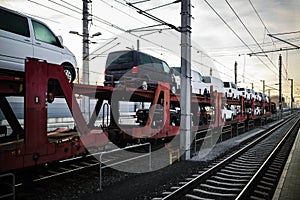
pixel 70 73
pixel 173 122
pixel 206 93
pixel 173 89
pixel 154 123
pixel 144 85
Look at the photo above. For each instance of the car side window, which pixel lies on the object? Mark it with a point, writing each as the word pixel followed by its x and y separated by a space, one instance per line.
pixel 157 64
pixel 206 79
pixel 144 59
pixel 14 23
pixel 233 85
pixel 226 84
pixel 43 33
pixel 166 67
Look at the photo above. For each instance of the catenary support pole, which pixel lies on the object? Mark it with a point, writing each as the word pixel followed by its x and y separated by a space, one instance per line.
pixel 280 97
pixel 292 96
pixel 85 104
pixel 185 93
pixel 235 72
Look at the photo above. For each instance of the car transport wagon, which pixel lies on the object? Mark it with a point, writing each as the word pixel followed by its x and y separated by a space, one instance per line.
pixel 138 70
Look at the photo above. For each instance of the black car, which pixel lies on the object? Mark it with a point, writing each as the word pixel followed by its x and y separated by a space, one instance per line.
pixel 142 116
pixel 138 70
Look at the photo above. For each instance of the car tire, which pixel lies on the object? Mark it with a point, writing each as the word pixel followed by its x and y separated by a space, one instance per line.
pixel 173 122
pixel 70 72
pixel 173 89
pixel 145 85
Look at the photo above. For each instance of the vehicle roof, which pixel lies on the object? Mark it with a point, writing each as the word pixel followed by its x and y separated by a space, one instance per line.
pixel 13 11
pixel 22 14
pixel 178 69
pixel 135 51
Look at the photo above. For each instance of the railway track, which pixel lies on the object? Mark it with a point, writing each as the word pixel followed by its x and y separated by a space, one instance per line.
pixel 250 173
pixel 85 163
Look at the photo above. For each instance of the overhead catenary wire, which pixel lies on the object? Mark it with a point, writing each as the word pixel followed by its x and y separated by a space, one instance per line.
pixel 261 20
pixel 106 23
pixel 124 4
pixel 237 35
pixel 240 20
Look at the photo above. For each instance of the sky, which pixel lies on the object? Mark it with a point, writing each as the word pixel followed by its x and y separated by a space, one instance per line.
pixel 223 32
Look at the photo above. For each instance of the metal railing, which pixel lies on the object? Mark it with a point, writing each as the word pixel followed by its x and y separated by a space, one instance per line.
pixel 226 129
pixel 250 124
pixel 123 161
pixel 8 185
pixel 207 135
pixel 105 123
pixel 239 126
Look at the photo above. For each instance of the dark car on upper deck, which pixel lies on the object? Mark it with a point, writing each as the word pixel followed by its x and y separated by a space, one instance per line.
pixel 138 70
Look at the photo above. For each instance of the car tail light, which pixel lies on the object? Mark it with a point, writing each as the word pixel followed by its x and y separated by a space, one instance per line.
pixel 135 70
pixel 105 72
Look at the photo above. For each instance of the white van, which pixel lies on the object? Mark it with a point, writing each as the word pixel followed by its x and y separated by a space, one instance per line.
pixel 215 82
pixel 22 36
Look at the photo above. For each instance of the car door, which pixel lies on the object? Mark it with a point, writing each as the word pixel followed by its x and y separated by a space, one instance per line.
pixel 15 40
pixel 45 44
pixel 145 65
pixel 167 77
pixel 158 73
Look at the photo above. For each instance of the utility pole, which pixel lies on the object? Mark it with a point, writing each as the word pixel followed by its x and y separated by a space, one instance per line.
pixel 138 45
pixel 252 86
pixel 235 72
pixel 292 90
pixel 263 81
pixel 210 71
pixel 185 93
pixel 280 98
pixel 85 105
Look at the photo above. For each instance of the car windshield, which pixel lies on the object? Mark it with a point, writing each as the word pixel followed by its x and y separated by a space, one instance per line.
pixel 119 57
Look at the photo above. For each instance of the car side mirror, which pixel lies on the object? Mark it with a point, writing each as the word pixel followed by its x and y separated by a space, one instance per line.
pixel 171 70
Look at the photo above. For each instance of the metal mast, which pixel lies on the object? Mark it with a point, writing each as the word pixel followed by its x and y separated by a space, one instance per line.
pixel 85 58
pixel 185 93
pixel 280 97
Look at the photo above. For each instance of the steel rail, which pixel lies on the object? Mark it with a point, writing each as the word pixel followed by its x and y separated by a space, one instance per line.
pixel 178 193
